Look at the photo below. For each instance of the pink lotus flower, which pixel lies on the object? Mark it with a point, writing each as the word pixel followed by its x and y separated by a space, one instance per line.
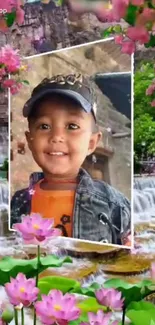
pixel 110 298
pixel 128 47
pixel 2 322
pixel 138 33
pixel 21 290
pixel 36 229
pixel 99 319
pixel 55 306
pixel 152 271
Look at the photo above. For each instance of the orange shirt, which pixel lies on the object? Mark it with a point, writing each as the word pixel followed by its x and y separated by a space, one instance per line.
pixel 57 204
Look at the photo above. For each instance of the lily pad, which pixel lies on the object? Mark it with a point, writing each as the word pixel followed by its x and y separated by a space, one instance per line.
pixel 89 291
pixel 10 267
pixel 91 305
pixel 57 282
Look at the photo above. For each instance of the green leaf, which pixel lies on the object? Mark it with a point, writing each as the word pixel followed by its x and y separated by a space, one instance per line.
pixel 82 318
pixel 107 32
pixel 10 267
pixel 89 291
pixel 139 317
pixel 92 305
pixel 140 305
pixel 7 315
pixel 130 17
pixel 26 82
pixel 57 282
pixel 117 29
pixel 151 42
pixel 130 291
pixel 10 18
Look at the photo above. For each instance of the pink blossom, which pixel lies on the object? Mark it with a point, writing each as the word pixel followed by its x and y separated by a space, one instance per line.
pixel 34 227
pixel 128 47
pixel 104 14
pixel 21 290
pixel 2 72
pixel 8 5
pixel 153 271
pixel 119 39
pixel 137 2
pixel 153 103
pixel 99 319
pixel 8 83
pixel 10 58
pixel 55 306
pixel 150 90
pixel 2 322
pixel 147 15
pixel 19 13
pixel 15 88
pixel 110 298
pixel 138 33
pixel 120 8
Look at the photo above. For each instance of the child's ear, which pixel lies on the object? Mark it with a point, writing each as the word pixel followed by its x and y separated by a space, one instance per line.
pixel 94 140
pixel 29 139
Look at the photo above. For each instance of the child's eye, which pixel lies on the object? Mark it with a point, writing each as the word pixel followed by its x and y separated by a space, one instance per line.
pixel 72 126
pixel 44 126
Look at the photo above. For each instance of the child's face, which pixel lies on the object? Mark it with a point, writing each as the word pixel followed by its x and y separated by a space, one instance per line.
pixel 60 138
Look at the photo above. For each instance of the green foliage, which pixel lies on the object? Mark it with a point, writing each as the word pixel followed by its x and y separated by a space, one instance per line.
pixel 10 267
pixel 57 282
pixel 131 14
pixel 5 165
pixel 144 114
pixel 141 313
pixel 129 291
pixel 10 18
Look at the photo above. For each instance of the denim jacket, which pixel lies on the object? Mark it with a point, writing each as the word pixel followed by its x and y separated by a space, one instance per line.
pixel 92 198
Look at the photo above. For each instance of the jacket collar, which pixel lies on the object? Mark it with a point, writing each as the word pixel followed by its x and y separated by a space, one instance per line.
pixel 84 178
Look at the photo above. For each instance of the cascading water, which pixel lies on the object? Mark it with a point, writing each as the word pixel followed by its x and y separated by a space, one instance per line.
pixel 144 199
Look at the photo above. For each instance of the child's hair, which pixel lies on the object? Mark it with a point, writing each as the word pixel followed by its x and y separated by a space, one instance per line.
pixel 34 112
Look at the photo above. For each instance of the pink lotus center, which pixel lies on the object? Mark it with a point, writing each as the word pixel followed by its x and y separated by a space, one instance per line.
pixel 57 307
pixel 22 289
pixel 35 226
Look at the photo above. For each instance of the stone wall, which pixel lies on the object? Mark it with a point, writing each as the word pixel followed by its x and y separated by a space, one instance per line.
pixel 47 28
pixel 114 159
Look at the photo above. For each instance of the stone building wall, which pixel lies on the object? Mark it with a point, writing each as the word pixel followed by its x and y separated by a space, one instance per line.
pixel 114 161
pixel 47 28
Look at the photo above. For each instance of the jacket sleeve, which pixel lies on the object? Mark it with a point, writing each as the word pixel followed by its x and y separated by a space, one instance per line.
pixel 19 206
pixel 121 220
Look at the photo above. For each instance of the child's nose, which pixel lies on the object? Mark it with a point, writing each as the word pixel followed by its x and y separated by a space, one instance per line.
pixel 56 135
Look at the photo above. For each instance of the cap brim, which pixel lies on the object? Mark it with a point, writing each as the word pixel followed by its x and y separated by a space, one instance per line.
pixel 69 93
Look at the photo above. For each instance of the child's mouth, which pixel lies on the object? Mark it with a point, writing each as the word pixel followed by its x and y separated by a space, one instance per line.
pixel 59 153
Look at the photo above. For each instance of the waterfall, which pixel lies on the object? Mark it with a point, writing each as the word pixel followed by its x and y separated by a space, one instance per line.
pixel 144 199
pixel 3 207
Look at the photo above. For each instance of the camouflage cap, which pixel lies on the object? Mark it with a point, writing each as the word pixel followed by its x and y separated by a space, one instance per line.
pixel 74 86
